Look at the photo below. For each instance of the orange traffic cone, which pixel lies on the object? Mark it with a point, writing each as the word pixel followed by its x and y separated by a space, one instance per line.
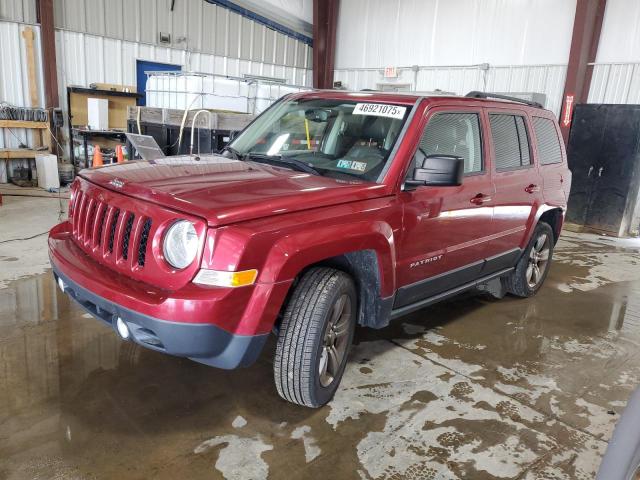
pixel 119 154
pixel 97 156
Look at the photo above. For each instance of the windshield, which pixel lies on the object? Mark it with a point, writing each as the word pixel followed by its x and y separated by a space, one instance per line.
pixel 335 138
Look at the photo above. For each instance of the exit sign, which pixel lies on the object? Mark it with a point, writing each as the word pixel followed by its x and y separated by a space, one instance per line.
pixel 390 72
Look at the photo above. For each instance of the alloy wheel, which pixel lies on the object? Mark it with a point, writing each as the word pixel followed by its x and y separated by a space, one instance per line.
pixel 335 342
pixel 538 260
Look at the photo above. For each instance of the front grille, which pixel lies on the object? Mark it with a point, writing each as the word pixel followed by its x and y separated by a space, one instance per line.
pixel 124 234
pixel 127 235
pixel 144 238
pixel 103 218
pixel 109 232
pixel 112 232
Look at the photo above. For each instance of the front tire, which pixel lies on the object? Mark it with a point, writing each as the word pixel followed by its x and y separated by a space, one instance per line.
pixel 315 337
pixel 533 267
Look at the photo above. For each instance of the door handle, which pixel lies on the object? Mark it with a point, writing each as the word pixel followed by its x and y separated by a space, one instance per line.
pixel 480 199
pixel 532 188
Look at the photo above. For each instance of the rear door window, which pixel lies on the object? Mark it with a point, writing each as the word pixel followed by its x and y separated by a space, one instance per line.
pixel 549 150
pixel 510 141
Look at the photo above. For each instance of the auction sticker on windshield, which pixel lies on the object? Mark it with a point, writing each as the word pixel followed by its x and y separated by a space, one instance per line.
pixel 379 110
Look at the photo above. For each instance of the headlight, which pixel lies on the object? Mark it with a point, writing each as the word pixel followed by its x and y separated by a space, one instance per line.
pixel 180 244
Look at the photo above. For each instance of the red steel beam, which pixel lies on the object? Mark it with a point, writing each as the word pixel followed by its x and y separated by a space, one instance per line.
pixel 584 47
pixel 325 20
pixel 44 10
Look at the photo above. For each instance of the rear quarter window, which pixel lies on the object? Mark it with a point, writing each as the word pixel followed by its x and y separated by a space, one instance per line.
pixel 549 151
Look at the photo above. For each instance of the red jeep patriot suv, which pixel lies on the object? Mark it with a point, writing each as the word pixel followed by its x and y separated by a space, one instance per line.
pixel 332 208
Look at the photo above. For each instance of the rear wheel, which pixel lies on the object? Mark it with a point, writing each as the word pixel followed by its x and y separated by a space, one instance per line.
pixel 533 266
pixel 315 337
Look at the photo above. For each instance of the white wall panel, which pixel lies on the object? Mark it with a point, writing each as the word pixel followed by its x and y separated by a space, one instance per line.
pixel 620 35
pixel 377 33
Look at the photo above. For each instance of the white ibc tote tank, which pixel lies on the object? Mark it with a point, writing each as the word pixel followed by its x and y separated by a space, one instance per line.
pixel 187 90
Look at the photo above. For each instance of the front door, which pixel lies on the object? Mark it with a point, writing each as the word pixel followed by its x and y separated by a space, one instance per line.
pixel 444 228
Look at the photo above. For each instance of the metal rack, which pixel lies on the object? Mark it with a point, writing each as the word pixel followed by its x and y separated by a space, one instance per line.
pixel 213 130
pixel 76 108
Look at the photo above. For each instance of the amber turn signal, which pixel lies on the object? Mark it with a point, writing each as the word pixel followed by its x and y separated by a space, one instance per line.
pixel 221 278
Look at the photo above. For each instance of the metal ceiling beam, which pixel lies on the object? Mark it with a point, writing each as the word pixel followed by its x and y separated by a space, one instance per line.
pixel 270 15
pixel 44 10
pixel 325 20
pixel 584 47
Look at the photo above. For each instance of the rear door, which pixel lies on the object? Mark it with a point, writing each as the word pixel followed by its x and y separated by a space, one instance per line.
pixel 445 229
pixel 517 182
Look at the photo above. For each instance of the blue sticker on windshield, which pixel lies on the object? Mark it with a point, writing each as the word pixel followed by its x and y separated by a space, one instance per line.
pixel 352 165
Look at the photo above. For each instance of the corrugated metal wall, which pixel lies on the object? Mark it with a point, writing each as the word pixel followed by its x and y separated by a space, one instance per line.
pixel 526 44
pixel 23 11
pixel 84 59
pixel 547 79
pixel 616 74
pixel 615 83
pixel 194 25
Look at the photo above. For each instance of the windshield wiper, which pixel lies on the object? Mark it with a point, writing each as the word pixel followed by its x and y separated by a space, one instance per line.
pixel 236 154
pixel 278 159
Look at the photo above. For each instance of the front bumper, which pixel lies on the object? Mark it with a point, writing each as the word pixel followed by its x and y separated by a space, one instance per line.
pixel 204 343
pixel 221 327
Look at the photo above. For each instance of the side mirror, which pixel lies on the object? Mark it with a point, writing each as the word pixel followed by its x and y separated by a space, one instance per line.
pixel 437 170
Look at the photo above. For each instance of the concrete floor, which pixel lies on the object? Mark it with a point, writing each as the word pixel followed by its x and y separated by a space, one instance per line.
pixel 472 388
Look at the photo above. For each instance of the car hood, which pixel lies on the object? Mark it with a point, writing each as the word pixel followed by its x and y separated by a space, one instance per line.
pixel 224 191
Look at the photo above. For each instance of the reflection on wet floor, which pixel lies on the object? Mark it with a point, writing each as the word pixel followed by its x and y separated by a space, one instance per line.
pixel 471 388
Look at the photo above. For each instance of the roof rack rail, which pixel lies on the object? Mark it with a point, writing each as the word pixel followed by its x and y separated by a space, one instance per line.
pixel 476 94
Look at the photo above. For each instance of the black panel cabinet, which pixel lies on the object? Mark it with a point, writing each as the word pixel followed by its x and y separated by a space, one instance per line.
pixel 604 158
